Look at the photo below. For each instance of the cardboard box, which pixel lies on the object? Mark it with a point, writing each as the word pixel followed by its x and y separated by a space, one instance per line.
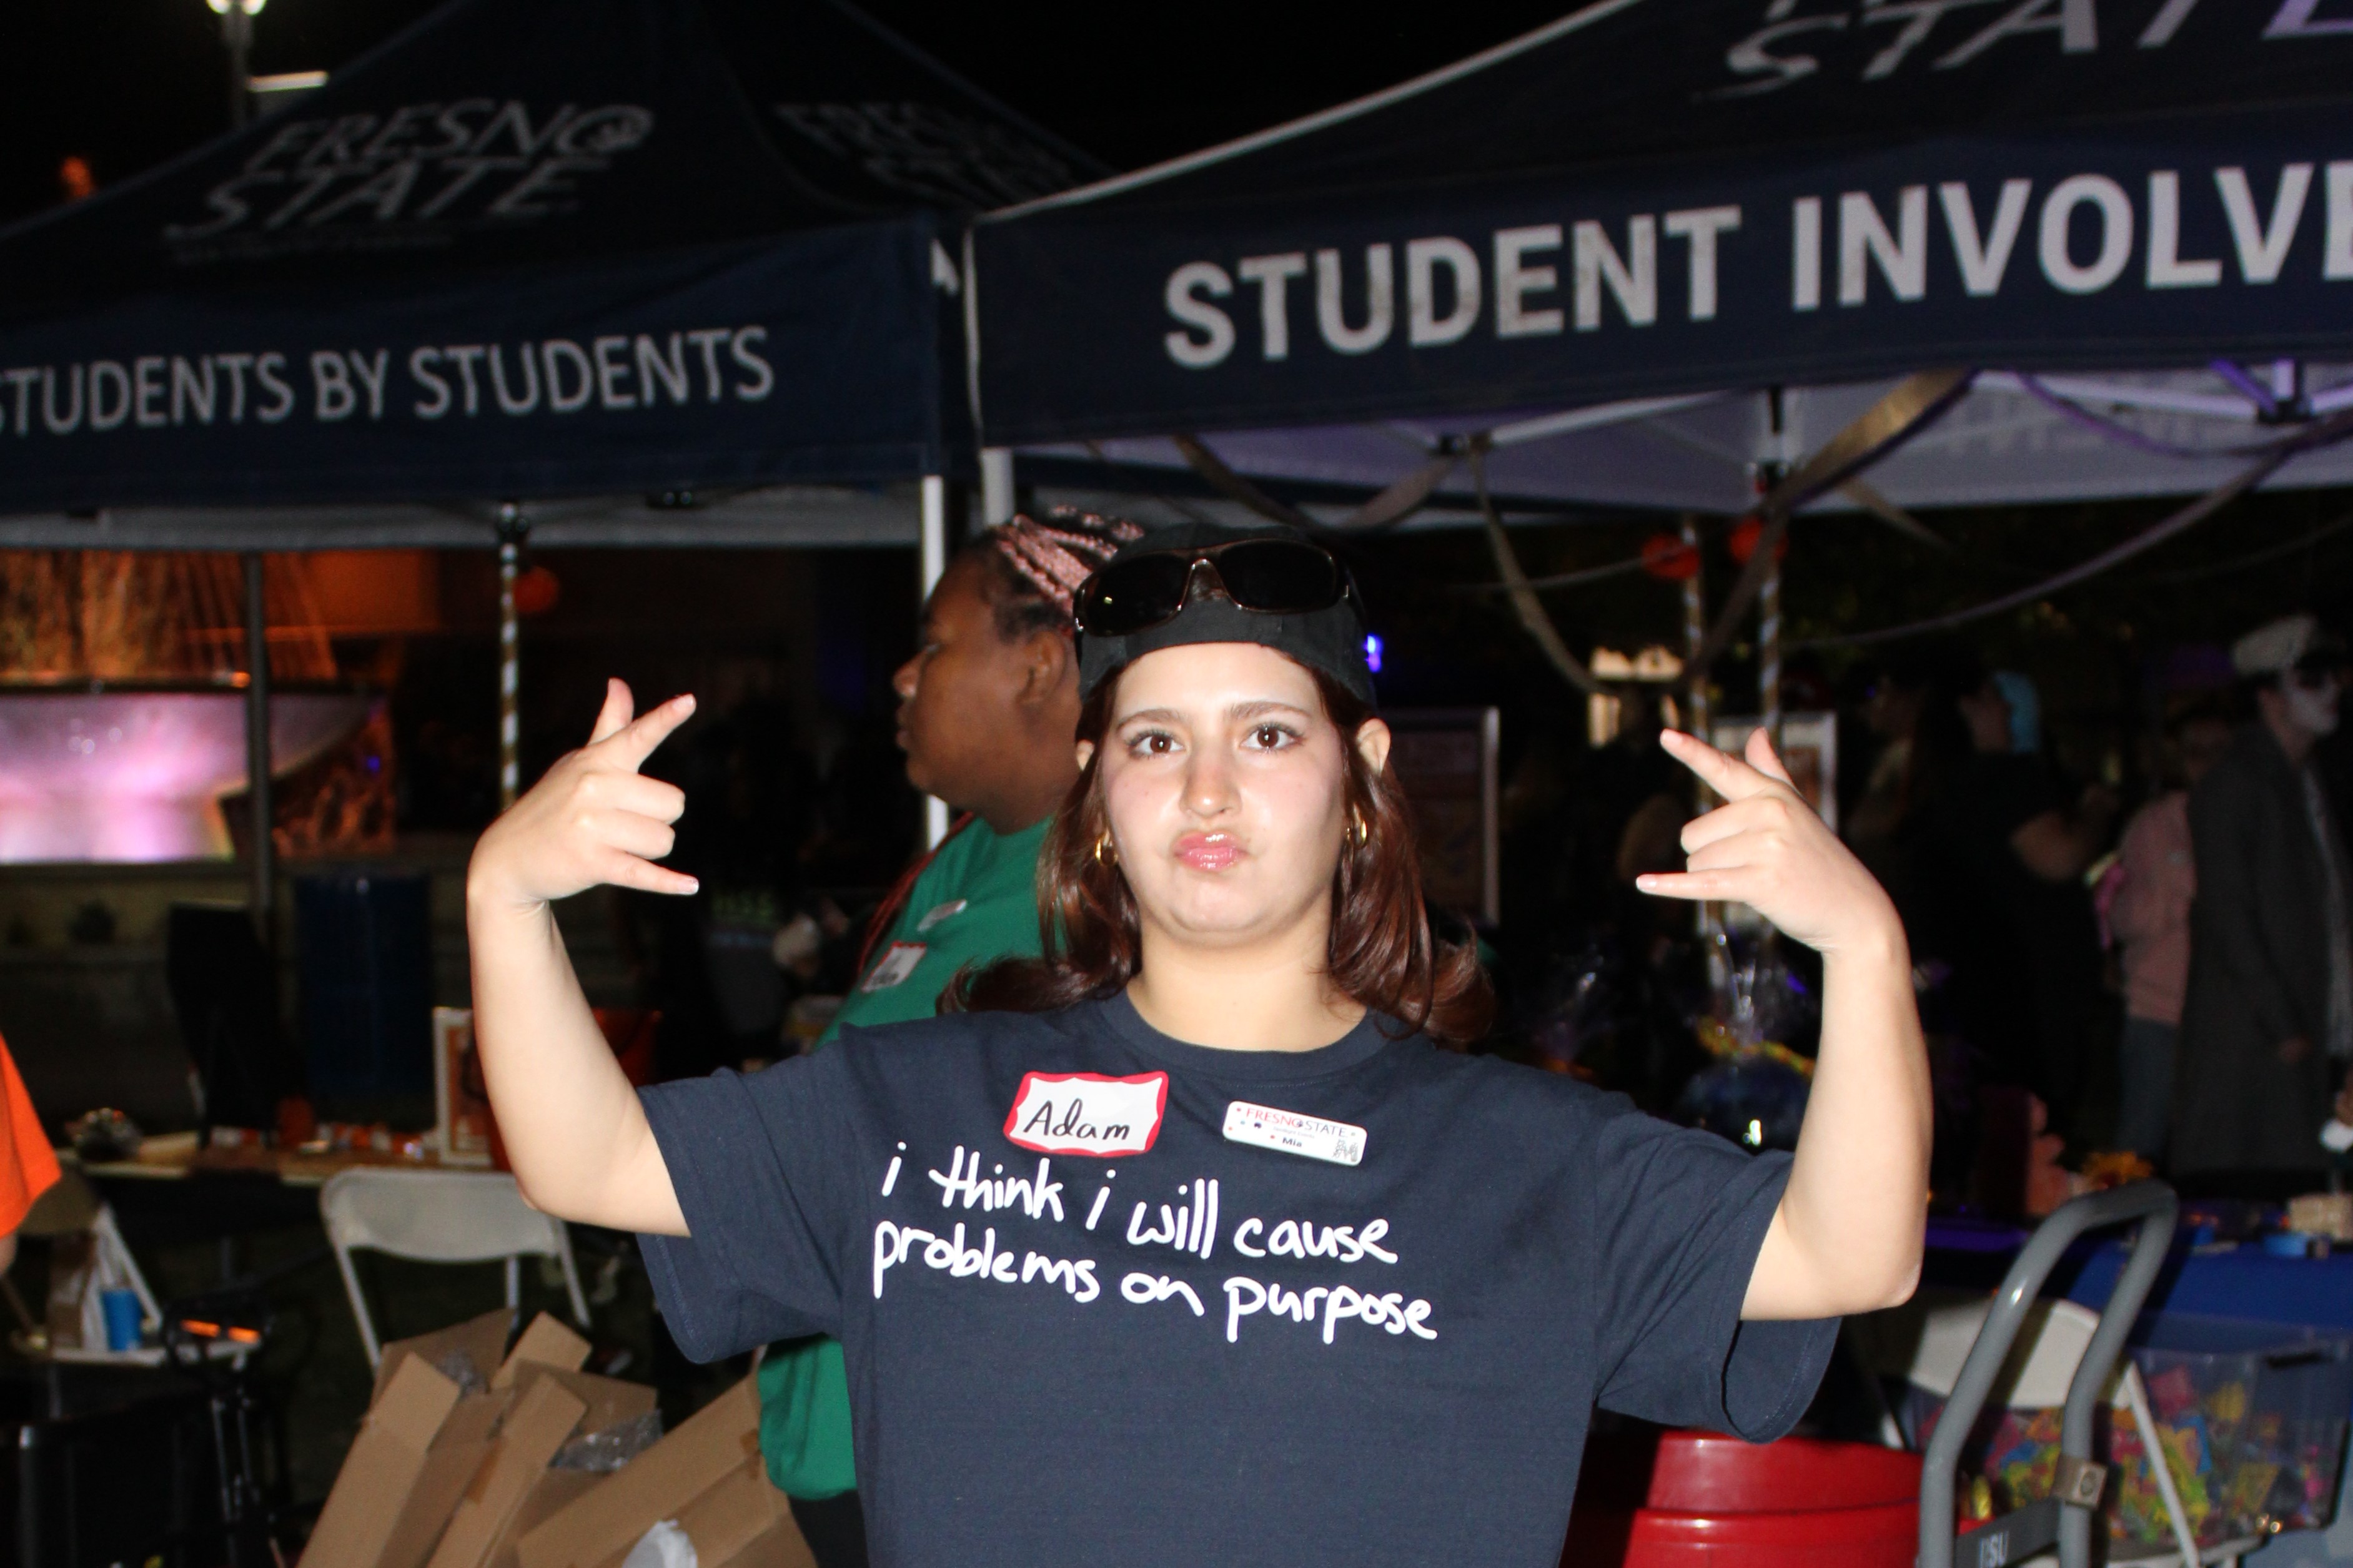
pixel 417 1457
pixel 544 1417
pixel 482 1341
pixel 546 1342
pixel 610 1402
pixel 386 1460
pixel 718 1444
pixel 458 1452
pixel 605 1403
pixel 782 1547
pixel 743 1512
pixel 555 1491
pixel 444 1478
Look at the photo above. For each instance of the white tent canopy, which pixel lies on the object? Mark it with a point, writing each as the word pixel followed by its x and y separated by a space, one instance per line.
pixel 2011 439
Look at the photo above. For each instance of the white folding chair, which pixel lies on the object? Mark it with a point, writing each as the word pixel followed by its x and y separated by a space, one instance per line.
pixel 440 1216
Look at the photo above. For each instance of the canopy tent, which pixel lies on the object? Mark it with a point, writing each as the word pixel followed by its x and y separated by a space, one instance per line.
pixel 1660 245
pixel 527 249
pixel 620 271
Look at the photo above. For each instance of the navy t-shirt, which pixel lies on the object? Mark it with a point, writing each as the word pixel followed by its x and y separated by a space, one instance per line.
pixel 1106 1297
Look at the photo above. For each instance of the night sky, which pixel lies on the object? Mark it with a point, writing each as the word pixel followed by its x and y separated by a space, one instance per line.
pixel 125 84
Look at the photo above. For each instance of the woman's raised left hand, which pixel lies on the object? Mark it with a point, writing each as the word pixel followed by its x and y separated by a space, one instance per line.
pixel 1766 847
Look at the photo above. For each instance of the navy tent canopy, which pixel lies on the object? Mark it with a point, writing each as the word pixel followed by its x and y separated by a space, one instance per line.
pixel 527 248
pixel 1652 209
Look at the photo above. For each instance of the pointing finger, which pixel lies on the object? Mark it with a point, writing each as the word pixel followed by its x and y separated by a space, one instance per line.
pixel 613 717
pixel 1729 776
pixel 633 746
pixel 1762 757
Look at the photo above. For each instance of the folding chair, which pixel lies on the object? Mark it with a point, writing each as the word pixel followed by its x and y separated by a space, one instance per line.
pixel 440 1216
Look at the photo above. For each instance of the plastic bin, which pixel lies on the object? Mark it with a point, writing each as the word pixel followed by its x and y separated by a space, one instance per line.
pixel 2254 1416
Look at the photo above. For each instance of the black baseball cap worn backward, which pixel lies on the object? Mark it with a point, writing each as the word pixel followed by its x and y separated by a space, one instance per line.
pixel 1331 639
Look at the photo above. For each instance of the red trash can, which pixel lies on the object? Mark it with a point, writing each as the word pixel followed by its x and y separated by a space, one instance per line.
pixel 1718 1503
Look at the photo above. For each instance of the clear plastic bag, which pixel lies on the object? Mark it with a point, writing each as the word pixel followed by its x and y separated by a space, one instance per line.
pixel 601 1453
pixel 458 1367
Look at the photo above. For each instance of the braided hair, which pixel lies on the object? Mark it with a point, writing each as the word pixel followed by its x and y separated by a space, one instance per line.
pixel 1032 569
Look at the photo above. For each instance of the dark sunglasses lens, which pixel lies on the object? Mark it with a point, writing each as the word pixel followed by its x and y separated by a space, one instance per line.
pixel 1280 577
pixel 1133 596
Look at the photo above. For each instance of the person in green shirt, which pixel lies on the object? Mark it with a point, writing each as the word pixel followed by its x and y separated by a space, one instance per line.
pixel 989 709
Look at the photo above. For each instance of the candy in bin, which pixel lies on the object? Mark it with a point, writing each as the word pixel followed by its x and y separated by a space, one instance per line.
pixel 2251 1490
pixel 2171 1391
pixel 2024 1456
pixel 2318 1471
pixel 2140 1513
pixel 2227 1405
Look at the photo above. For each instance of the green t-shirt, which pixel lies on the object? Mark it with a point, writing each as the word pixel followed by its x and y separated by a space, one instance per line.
pixel 974 902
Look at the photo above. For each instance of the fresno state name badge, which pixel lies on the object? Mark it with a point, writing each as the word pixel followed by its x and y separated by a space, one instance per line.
pixel 1087 1113
pixel 1293 1134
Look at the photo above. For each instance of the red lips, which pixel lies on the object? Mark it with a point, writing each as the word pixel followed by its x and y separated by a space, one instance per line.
pixel 1209 851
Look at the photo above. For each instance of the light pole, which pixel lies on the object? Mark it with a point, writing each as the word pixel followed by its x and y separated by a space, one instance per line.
pixel 237 32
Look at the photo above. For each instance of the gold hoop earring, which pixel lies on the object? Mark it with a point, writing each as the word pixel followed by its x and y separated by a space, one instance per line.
pixel 1360 832
pixel 1106 852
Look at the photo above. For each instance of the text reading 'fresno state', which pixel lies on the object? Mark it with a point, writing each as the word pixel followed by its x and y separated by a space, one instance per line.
pixel 1191 1250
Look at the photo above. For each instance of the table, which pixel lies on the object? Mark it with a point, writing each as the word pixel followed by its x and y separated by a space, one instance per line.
pixel 172 1191
pixel 174 1156
pixel 2225 1281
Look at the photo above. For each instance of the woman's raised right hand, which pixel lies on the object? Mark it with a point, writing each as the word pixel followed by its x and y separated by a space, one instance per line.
pixel 592 820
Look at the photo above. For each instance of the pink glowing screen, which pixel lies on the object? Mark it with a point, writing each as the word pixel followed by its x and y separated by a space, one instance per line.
pixel 138 775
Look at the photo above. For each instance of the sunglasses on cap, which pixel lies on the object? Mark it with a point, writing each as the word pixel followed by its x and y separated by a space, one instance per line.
pixel 1272 576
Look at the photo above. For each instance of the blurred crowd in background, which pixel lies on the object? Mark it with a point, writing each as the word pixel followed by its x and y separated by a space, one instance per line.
pixel 2151 961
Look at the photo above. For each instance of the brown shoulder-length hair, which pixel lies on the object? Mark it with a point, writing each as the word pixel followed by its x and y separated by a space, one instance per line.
pixel 1383 955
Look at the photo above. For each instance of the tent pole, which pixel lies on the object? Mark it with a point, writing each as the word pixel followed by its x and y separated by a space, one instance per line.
pixel 264 867
pixel 1695 629
pixel 934 563
pixel 237 32
pixel 1769 592
pixel 511 533
pixel 1706 916
pixel 1768 653
pixel 996 485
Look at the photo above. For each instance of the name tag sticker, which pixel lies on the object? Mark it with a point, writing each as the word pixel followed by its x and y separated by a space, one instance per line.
pixel 895 966
pixel 1087 1113
pixel 946 912
pixel 1289 1132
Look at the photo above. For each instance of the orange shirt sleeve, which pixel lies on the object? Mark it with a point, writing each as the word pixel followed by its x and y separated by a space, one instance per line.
pixel 29 1167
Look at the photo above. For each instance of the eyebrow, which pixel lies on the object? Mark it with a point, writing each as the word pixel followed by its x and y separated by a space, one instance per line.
pixel 1238 711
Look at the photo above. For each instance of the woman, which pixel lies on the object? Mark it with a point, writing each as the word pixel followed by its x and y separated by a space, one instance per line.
pixel 2148 894
pixel 1986 861
pixel 986 709
pixel 1218 1259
